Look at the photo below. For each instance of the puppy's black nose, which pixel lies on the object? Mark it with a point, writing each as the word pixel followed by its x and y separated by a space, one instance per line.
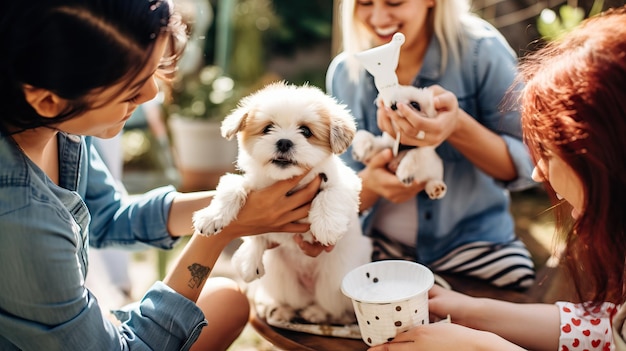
pixel 283 145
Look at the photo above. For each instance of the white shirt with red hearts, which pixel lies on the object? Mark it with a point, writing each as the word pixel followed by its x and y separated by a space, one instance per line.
pixel 583 329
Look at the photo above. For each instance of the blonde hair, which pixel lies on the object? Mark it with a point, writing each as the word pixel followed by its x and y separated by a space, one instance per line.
pixel 448 18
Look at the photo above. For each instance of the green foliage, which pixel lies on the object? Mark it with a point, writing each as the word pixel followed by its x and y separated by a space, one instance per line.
pixel 551 26
pixel 207 94
pixel 302 24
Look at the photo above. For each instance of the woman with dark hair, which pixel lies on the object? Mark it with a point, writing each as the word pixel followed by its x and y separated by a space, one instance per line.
pixel 574 122
pixel 70 70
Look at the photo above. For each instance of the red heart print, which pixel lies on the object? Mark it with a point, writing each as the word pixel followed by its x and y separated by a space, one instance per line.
pixel 575 321
pixel 566 309
pixel 576 342
pixel 595 321
pixel 567 328
pixel 586 332
pixel 564 348
pixel 595 343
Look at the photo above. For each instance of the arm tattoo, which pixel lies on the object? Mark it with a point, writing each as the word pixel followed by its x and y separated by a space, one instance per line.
pixel 198 274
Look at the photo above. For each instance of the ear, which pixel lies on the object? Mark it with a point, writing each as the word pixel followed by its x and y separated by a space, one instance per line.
pixel 45 102
pixel 342 129
pixel 234 122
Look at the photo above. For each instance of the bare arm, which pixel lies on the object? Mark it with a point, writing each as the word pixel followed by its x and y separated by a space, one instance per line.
pixel 532 326
pixel 484 148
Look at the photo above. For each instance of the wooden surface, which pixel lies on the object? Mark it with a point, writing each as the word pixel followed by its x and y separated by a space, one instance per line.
pixel 297 341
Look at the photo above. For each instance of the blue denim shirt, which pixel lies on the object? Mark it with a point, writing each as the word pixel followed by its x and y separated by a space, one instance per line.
pixel 476 206
pixel 45 231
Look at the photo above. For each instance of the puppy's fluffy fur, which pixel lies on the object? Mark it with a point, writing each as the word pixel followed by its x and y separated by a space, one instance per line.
pixel 421 164
pixel 282 130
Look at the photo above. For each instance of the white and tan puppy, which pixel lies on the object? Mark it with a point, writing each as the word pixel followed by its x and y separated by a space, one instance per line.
pixel 421 164
pixel 283 130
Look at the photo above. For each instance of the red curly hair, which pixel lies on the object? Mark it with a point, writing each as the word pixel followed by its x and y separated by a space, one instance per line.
pixel 574 104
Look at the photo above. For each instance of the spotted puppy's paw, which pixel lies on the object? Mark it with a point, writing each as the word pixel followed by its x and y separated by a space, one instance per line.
pixel 436 189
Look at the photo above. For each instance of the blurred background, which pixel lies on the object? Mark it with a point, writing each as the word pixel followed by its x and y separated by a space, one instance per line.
pixel 237 46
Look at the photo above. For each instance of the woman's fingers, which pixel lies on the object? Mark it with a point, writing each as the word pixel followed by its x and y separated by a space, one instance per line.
pixel 311 249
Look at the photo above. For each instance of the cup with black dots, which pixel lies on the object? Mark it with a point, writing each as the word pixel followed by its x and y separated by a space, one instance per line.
pixel 389 297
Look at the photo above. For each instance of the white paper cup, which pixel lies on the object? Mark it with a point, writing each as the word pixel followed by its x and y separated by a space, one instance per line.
pixel 389 297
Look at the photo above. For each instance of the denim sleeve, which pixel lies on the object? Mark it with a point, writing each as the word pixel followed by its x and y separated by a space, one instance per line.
pixel 495 72
pixel 132 222
pixel 166 320
pixel 45 306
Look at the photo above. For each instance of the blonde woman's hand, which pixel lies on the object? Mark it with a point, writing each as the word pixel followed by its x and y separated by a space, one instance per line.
pixel 376 177
pixel 416 129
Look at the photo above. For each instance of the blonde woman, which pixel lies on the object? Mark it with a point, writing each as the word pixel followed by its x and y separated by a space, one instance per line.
pixel 470 231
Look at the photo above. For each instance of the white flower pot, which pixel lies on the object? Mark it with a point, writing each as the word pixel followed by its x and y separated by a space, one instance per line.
pixel 202 155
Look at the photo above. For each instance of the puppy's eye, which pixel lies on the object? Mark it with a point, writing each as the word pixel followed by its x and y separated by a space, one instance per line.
pixel 268 128
pixel 306 132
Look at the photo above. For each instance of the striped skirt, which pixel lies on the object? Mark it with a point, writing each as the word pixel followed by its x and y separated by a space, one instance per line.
pixel 505 265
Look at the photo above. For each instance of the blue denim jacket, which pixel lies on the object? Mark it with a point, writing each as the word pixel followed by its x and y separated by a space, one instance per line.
pixel 476 206
pixel 45 231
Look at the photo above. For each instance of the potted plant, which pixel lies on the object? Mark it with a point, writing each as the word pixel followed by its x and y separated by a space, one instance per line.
pixel 197 104
pixel 205 92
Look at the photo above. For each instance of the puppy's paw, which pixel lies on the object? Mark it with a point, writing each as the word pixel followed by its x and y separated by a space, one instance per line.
pixel 325 235
pixel 436 189
pixel 249 271
pixel 209 221
pixel 314 314
pixel 247 264
pixel 280 313
pixel 362 145
pixel 408 180
pixel 406 173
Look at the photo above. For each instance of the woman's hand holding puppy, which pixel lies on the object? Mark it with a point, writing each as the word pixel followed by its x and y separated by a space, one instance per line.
pixel 411 123
pixel 276 208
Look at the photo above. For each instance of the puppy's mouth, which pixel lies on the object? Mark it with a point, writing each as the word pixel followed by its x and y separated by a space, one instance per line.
pixel 283 162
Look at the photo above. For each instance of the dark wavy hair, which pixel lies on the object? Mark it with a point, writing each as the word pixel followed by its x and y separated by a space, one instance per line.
pixel 574 104
pixel 75 47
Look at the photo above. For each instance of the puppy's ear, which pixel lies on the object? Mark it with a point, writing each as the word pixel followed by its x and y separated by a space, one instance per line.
pixel 342 128
pixel 234 122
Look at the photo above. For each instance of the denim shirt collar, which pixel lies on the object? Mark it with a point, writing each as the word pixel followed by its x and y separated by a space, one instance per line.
pixel 16 165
